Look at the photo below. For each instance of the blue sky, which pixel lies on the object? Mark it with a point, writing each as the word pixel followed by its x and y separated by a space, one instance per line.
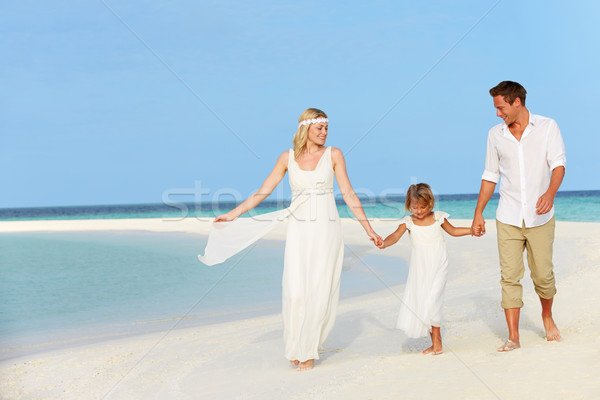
pixel 106 102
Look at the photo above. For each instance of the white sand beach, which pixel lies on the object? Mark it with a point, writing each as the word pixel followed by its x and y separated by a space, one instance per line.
pixel 364 357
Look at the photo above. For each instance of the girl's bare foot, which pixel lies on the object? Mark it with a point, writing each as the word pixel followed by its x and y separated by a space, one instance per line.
pixel 509 345
pixel 306 365
pixel 552 332
pixel 294 363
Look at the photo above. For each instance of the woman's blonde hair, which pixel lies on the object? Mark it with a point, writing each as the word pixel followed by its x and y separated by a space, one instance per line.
pixel 421 193
pixel 301 135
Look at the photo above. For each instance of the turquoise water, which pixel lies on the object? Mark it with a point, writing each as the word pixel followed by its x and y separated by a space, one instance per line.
pixel 581 208
pixel 570 206
pixel 60 289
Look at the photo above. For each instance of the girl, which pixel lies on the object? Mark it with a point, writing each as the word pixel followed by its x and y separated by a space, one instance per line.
pixel 421 308
pixel 314 249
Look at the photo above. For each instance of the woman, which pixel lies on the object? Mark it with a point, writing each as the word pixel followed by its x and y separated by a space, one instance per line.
pixel 314 248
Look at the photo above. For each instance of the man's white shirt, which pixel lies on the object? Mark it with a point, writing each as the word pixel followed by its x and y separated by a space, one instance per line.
pixel 523 168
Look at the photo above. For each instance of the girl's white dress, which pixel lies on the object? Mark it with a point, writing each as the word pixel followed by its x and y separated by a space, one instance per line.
pixel 314 252
pixel 422 303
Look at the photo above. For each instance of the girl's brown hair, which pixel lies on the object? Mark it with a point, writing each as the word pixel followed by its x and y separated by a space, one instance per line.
pixel 421 193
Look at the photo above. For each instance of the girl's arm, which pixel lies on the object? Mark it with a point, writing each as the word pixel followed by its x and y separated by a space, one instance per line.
pixel 393 238
pixel 350 197
pixel 454 230
pixel 265 190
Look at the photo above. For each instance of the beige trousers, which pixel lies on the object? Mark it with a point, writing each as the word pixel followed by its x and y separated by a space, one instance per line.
pixel 538 241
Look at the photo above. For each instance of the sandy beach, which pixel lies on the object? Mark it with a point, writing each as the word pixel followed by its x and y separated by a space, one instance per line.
pixel 364 357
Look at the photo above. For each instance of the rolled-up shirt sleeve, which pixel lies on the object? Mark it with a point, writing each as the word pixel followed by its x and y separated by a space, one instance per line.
pixel 556 148
pixel 492 162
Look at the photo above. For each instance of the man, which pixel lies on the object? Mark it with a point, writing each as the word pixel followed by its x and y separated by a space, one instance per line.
pixel 528 152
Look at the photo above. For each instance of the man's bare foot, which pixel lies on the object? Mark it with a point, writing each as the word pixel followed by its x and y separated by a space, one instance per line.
pixel 552 332
pixel 509 345
pixel 294 363
pixel 433 351
pixel 306 365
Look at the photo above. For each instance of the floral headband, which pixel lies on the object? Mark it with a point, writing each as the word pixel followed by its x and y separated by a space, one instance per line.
pixel 312 121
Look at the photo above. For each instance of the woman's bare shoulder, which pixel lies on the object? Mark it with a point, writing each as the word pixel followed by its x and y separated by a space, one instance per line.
pixel 283 158
pixel 336 153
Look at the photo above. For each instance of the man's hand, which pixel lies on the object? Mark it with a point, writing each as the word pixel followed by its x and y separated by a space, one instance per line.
pixel 544 204
pixel 478 226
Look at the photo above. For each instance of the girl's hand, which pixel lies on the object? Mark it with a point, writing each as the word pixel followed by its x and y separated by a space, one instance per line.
pixel 224 218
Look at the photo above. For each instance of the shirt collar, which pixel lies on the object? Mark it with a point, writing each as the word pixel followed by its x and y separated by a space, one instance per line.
pixel 533 120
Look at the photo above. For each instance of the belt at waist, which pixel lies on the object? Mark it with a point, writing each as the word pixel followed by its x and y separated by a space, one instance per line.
pixel 301 192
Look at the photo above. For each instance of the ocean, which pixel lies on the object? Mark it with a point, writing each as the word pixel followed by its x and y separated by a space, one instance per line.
pixel 580 206
pixel 66 288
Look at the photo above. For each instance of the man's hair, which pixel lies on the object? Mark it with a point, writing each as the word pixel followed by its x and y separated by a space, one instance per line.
pixel 509 90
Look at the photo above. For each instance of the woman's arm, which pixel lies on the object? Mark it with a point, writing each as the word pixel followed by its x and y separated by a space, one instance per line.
pixel 350 197
pixel 454 230
pixel 265 190
pixel 393 238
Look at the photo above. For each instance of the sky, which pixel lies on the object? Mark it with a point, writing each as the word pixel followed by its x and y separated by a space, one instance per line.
pixel 106 102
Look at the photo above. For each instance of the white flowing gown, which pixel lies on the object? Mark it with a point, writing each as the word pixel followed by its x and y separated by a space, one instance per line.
pixel 421 306
pixel 314 253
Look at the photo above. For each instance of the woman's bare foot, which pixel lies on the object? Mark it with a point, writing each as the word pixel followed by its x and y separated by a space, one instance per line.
pixel 436 340
pixel 306 365
pixel 294 363
pixel 552 332
pixel 433 351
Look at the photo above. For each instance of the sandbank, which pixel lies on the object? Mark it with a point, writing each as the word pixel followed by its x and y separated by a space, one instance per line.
pixel 364 357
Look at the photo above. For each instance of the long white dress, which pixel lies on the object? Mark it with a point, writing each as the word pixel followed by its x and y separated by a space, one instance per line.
pixel 421 306
pixel 313 258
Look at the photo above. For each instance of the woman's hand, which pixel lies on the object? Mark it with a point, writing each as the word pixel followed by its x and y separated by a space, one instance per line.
pixel 224 218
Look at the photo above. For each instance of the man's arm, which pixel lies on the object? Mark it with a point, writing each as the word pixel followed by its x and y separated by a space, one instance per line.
pixel 485 194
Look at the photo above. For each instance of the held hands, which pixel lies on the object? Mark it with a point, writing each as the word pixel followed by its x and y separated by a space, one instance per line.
pixel 478 226
pixel 376 239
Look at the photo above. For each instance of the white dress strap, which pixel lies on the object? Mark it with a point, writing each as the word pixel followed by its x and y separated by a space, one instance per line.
pixel 408 221
pixel 440 216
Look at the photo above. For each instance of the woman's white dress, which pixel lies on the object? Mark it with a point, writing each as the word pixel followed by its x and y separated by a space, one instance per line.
pixel 421 306
pixel 313 258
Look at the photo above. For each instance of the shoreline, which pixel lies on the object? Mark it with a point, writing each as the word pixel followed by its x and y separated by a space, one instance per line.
pixel 26 343
pixel 364 355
